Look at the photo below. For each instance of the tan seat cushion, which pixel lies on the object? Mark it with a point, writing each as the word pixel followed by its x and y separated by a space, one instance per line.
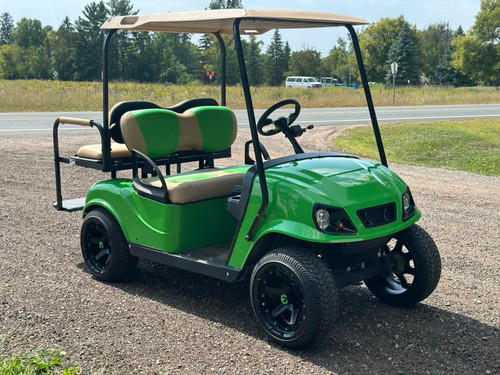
pixel 118 150
pixel 200 185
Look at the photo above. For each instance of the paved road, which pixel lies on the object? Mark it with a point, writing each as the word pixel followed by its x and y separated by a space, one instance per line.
pixel 28 122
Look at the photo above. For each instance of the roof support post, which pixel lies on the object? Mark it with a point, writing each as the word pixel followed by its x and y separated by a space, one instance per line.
pixel 106 141
pixel 223 68
pixel 368 95
pixel 253 129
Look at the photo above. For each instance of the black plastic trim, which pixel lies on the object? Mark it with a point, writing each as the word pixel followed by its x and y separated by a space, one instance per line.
pixel 187 263
pixel 368 224
pixel 413 208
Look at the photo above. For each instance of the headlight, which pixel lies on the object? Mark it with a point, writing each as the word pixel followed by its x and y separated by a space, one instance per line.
pixel 408 205
pixel 322 218
pixel 332 220
pixel 406 202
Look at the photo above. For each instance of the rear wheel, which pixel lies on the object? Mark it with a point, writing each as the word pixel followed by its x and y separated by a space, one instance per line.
pixel 416 269
pixel 104 247
pixel 294 296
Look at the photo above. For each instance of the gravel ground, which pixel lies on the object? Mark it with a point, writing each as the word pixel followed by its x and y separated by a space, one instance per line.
pixel 167 321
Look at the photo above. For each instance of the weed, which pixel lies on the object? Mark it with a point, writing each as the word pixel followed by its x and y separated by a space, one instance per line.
pixel 36 363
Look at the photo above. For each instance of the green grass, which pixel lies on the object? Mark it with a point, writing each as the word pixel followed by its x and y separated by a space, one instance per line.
pixel 41 362
pixel 45 96
pixel 469 145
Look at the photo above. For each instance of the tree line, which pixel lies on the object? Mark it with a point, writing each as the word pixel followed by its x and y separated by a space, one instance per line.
pixel 73 51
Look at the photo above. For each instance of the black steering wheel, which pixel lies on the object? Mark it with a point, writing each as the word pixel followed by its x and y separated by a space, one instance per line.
pixel 264 120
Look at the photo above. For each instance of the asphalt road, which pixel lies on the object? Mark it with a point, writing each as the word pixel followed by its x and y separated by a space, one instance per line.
pixel 28 122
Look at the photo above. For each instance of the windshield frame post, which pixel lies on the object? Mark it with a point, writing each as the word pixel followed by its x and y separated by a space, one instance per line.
pixel 253 129
pixel 368 95
pixel 106 141
pixel 223 64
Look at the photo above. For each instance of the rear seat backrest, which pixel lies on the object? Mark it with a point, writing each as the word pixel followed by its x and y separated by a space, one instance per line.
pixel 119 109
pixel 160 132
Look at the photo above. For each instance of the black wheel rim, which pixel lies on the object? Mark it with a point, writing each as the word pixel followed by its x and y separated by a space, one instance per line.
pixel 279 301
pixel 96 247
pixel 404 270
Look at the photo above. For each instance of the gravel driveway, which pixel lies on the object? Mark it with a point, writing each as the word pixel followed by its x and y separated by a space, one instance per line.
pixel 167 321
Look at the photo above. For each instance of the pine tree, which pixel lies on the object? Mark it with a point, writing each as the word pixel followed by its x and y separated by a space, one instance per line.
pixel 254 61
pixel 89 41
pixel 121 47
pixel 287 55
pixel 6 27
pixel 275 60
pixel 63 50
pixel 405 53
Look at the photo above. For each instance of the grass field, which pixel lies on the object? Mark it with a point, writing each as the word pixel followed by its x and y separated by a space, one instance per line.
pixel 469 145
pixel 40 96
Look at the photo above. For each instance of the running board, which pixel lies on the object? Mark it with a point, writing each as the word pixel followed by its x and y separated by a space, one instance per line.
pixel 71 205
pixel 188 263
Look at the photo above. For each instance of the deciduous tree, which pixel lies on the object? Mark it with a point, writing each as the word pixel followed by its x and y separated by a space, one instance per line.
pixel 306 63
pixel 29 33
pixel 477 54
pixel 375 43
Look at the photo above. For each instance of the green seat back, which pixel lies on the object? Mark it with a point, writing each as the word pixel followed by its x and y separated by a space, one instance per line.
pixel 160 132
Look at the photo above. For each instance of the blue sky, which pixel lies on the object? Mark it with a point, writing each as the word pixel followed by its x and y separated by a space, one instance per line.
pixel 418 12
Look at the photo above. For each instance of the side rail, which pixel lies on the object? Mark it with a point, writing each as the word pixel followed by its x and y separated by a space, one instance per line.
pixel 71 204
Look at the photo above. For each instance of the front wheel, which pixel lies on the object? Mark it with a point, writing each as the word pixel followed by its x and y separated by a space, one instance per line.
pixel 294 296
pixel 416 269
pixel 104 247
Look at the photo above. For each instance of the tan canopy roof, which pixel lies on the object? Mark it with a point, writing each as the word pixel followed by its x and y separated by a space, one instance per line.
pixel 221 21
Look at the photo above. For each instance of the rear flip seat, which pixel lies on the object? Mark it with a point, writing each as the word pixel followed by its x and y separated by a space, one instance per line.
pixel 158 133
pixel 118 150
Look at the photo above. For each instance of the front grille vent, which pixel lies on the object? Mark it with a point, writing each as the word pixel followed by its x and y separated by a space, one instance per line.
pixel 376 216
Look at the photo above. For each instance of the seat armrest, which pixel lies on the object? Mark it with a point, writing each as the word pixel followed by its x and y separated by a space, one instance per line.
pixel 159 194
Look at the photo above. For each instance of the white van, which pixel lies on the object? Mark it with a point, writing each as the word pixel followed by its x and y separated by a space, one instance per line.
pixel 305 82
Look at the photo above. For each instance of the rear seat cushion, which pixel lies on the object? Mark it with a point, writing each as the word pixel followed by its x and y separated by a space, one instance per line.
pixel 201 184
pixel 118 150
pixel 160 132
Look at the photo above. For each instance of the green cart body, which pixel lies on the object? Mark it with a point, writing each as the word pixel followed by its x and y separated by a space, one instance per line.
pixel 302 225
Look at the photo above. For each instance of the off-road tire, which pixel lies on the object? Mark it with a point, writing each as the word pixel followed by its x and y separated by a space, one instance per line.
pixel 101 234
pixel 427 269
pixel 308 274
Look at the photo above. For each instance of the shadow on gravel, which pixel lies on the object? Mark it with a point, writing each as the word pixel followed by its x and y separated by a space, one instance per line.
pixel 369 337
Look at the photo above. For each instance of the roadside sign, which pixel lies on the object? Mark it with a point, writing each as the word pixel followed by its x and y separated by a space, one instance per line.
pixel 394 68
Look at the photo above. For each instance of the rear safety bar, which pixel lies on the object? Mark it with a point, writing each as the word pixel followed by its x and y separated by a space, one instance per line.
pixel 72 204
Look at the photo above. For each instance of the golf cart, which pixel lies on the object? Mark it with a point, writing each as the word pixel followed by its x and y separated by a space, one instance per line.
pixel 302 225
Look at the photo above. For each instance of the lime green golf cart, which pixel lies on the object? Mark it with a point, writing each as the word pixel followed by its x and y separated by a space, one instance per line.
pixel 302 225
